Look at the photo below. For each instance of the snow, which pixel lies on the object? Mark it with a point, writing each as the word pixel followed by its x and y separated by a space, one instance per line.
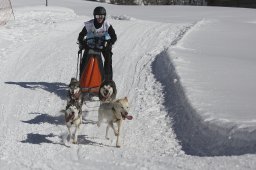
pixel 188 73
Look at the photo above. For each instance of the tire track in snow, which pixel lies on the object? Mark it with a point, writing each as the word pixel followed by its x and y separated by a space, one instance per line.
pixel 148 107
pixel 150 56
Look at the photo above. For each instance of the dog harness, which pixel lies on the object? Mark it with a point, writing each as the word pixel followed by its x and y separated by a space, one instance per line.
pixel 79 116
pixel 75 96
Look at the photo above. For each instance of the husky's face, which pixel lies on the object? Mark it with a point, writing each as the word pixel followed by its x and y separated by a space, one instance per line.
pixel 74 89
pixel 123 107
pixel 74 86
pixel 71 113
pixel 106 91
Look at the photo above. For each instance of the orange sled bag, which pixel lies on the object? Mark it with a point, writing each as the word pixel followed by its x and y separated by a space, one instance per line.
pixel 92 74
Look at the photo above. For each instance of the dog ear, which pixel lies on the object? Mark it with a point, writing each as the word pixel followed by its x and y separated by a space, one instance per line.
pixel 63 111
pixel 125 98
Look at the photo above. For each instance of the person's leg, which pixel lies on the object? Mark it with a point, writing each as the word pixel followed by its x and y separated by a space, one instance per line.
pixel 108 64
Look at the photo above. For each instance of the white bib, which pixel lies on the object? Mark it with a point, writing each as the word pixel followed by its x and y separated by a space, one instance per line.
pixel 92 31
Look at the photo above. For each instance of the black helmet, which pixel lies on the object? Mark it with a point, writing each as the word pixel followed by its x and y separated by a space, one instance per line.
pixel 99 11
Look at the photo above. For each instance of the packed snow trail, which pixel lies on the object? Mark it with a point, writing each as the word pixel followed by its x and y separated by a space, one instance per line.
pixel 36 74
pixel 36 66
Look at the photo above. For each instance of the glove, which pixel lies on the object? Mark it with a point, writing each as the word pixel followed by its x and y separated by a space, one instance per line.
pixel 81 47
pixel 108 45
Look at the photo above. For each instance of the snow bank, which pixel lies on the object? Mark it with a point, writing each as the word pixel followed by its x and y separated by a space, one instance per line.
pixel 197 136
pixel 121 17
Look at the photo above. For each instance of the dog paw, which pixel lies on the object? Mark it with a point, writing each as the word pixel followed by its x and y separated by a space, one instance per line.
pixel 118 146
pixel 106 137
pixel 116 133
pixel 75 142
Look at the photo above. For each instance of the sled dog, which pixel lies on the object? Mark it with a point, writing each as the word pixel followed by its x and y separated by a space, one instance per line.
pixel 107 91
pixel 73 117
pixel 74 92
pixel 114 112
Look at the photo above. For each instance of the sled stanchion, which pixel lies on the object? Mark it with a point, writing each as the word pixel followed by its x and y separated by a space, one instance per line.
pixel 77 67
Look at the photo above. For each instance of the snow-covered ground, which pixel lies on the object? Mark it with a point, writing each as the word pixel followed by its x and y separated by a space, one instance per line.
pixel 188 73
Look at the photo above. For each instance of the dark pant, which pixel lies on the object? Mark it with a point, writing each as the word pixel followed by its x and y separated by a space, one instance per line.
pixel 107 54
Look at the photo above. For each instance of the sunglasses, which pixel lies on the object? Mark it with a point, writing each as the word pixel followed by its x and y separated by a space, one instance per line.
pixel 100 16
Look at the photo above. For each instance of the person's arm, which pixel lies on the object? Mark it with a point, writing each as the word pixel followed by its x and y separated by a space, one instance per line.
pixel 81 36
pixel 112 34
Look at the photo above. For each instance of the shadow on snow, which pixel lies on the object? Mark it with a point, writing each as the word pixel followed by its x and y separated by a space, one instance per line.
pixel 55 120
pixel 45 118
pixel 59 89
pixel 37 139
pixel 33 138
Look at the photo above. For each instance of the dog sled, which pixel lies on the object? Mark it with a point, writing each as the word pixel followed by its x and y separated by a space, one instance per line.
pixel 92 78
pixel 92 75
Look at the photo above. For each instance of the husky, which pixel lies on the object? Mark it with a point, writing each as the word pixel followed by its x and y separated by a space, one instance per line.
pixel 73 117
pixel 74 92
pixel 114 112
pixel 107 91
